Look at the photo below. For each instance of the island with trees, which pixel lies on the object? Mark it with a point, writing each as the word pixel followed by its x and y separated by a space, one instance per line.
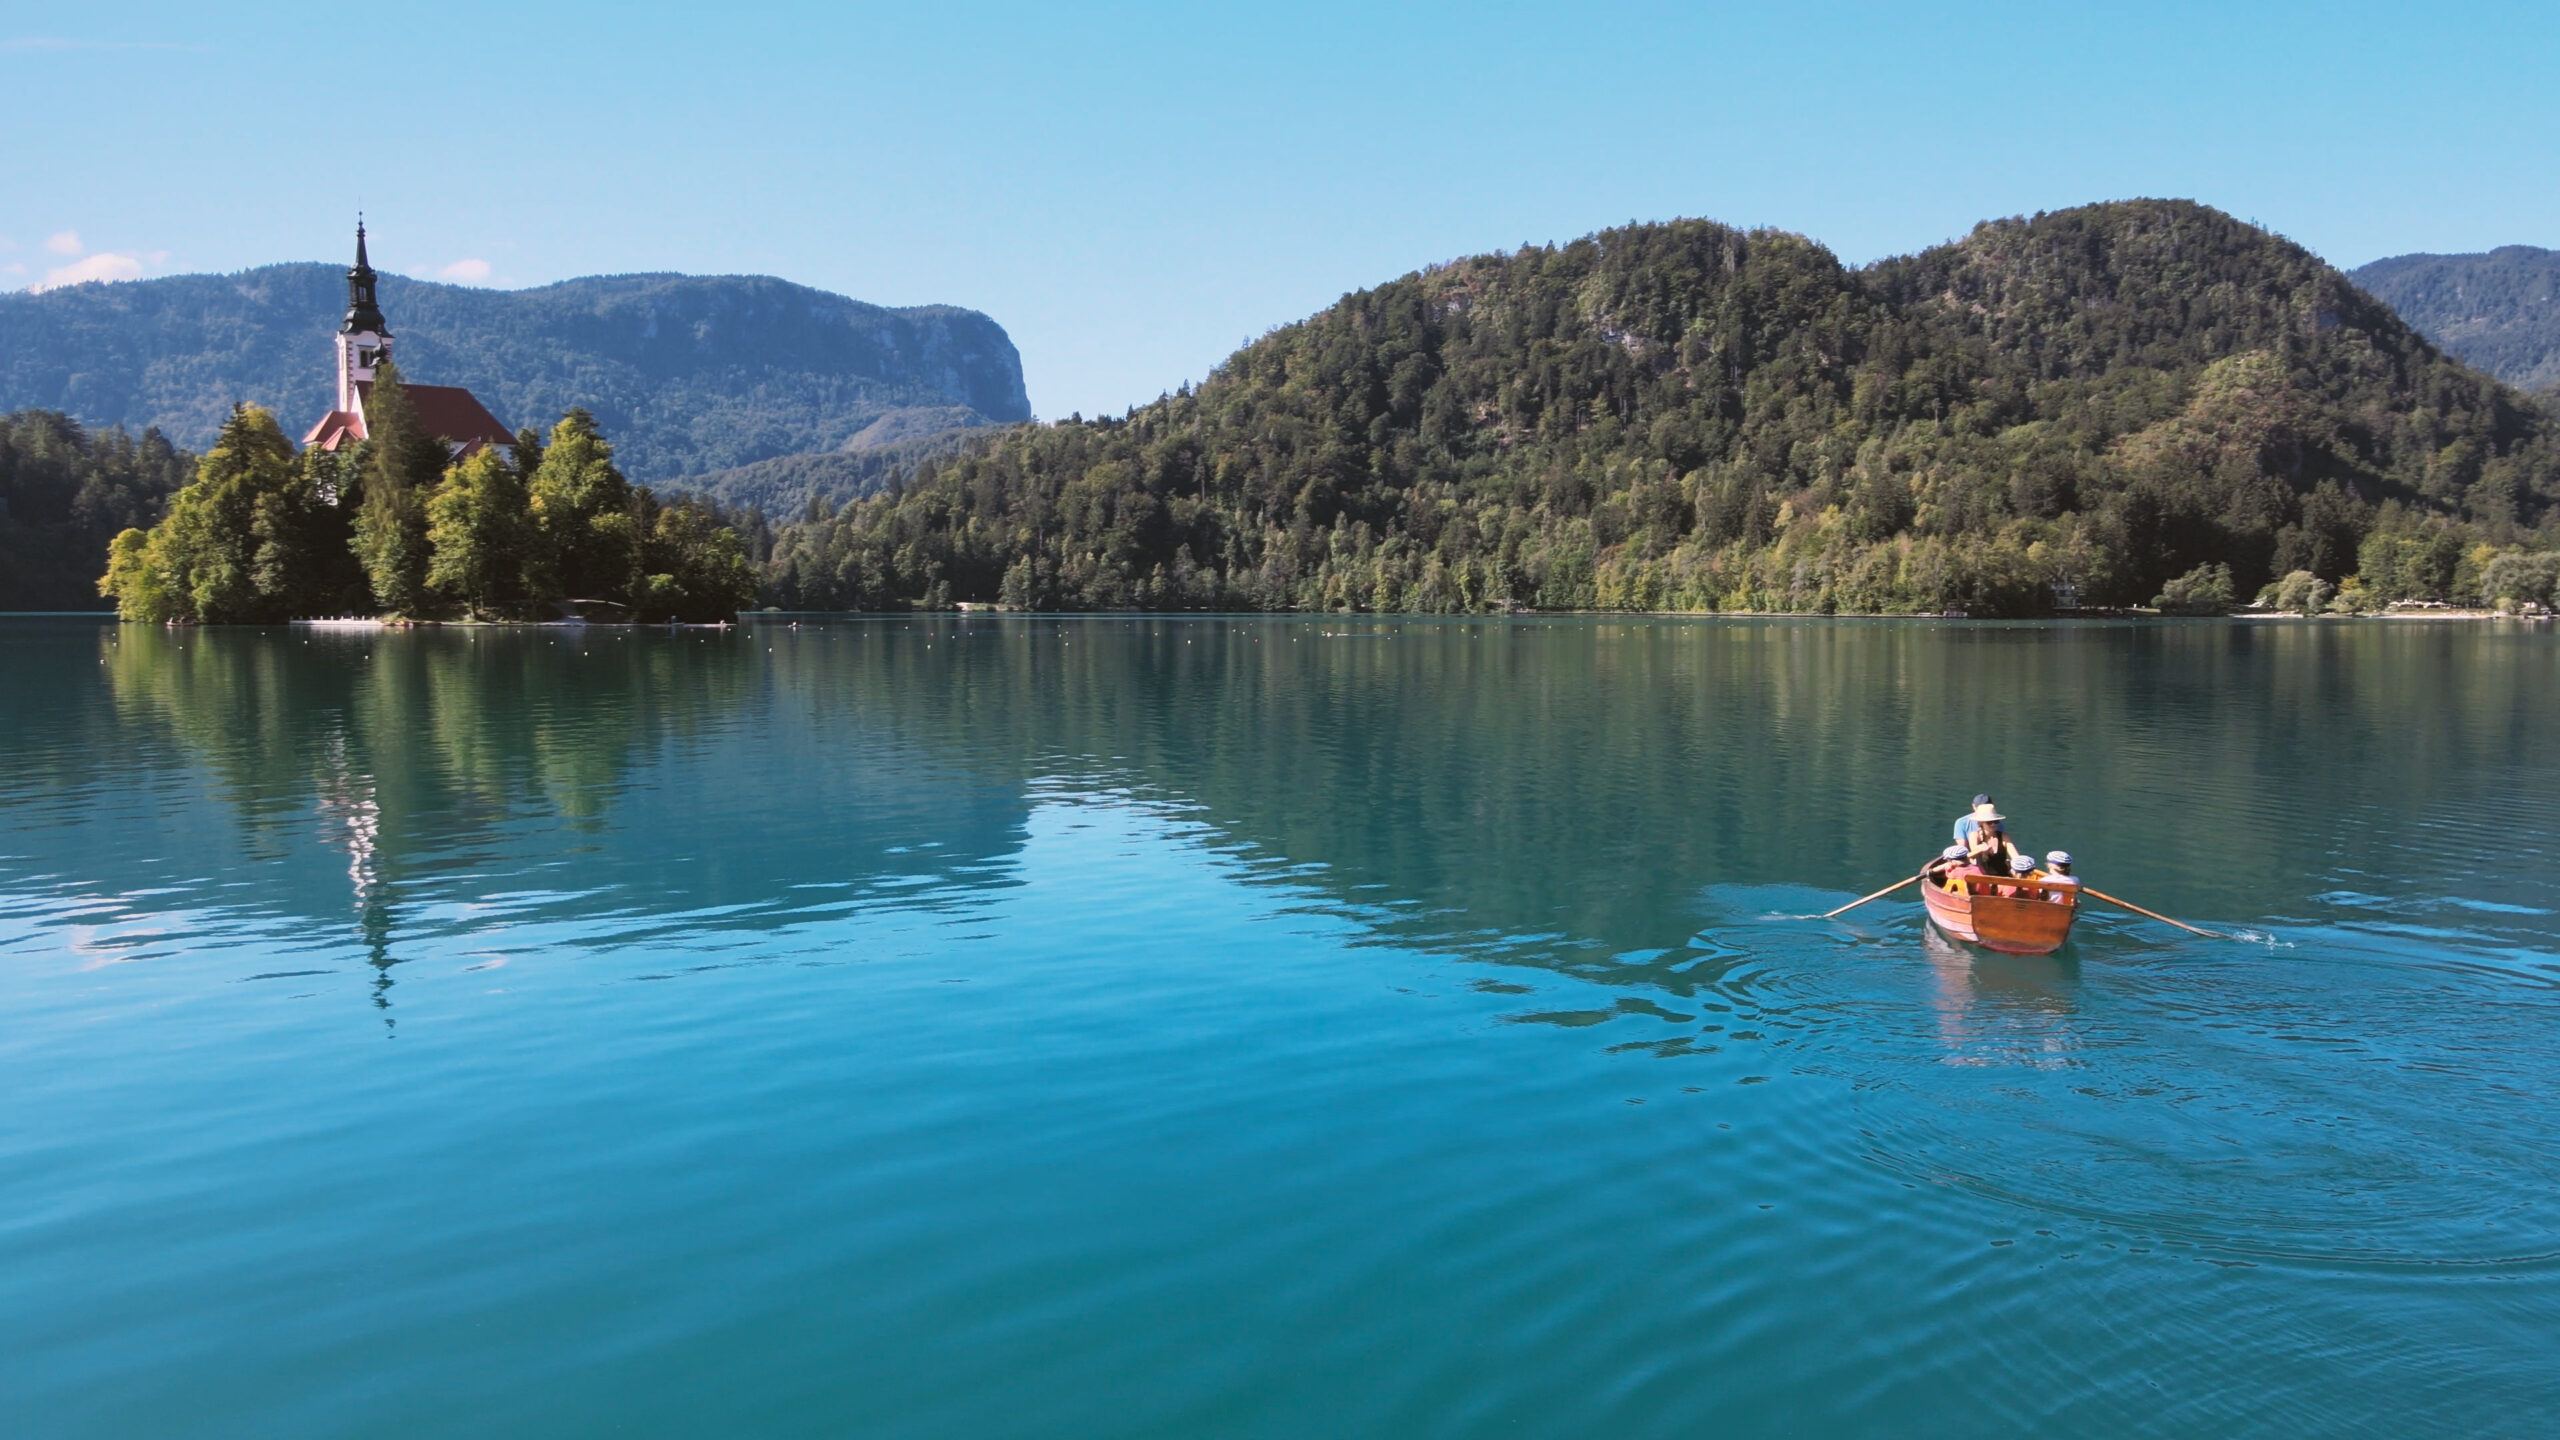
pixel 399 527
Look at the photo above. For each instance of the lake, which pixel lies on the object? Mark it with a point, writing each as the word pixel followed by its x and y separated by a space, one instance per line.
pixel 1018 1026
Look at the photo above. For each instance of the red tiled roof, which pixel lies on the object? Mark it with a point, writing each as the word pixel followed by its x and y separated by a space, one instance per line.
pixel 338 427
pixel 452 414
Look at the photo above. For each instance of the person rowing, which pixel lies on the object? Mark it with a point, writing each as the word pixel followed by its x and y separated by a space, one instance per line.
pixel 1986 841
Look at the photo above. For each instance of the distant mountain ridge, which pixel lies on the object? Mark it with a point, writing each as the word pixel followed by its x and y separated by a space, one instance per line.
pixel 2499 311
pixel 688 374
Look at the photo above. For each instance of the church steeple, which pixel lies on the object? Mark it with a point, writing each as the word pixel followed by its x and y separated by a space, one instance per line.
pixel 448 412
pixel 364 338
pixel 363 311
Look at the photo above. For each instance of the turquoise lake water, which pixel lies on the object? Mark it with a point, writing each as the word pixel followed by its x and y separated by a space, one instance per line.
pixel 1127 1027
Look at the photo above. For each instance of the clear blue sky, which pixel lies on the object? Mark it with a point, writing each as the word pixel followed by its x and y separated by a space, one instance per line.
pixel 1132 190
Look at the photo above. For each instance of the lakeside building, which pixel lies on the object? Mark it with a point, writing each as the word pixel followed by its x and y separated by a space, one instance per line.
pixel 448 412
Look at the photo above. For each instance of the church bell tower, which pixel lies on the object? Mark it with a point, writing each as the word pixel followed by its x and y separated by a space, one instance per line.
pixel 364 340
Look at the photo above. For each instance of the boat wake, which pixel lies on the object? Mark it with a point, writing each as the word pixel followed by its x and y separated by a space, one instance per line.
pixel 2279 1106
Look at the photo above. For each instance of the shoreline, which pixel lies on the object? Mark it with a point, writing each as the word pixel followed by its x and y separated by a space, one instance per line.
pixel 974 608
pixel 364 622
pixel 745 618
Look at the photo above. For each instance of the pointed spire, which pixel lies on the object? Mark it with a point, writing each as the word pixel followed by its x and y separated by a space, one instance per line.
pixel 363 311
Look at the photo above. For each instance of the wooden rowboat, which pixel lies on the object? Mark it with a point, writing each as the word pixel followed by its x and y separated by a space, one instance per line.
pixel 2001 912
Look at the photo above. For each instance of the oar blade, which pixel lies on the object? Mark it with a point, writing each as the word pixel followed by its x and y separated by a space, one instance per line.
pixel 2154 914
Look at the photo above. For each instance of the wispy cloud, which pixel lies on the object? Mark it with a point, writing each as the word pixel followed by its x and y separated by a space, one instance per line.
pixel 468 272
pixel 63 242
pixel 105 265
pixel 51 42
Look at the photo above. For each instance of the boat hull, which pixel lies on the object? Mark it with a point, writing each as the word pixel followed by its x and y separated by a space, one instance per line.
pixel 2031 919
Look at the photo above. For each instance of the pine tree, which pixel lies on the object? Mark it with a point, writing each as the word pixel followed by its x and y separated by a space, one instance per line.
pixel 401 464
pixel 65 491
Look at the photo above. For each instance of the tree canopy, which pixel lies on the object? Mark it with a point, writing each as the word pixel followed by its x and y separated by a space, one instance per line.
pixel 65 490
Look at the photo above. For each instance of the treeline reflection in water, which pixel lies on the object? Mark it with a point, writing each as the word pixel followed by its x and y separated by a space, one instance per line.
pixel 1589 796
pixel 479 778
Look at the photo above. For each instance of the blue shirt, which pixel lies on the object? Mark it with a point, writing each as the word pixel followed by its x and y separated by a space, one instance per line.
pixel 1967 828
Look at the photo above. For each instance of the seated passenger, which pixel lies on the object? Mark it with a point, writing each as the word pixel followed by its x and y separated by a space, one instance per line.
pixel 1949 861
pixel 2023 866
pixel 2058 881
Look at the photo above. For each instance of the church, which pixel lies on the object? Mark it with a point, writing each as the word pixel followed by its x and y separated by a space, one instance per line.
pixel 448 412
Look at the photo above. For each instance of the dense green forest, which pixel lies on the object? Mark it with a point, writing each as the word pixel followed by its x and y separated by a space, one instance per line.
pixel 397 526
pixel 789 484
pixel 65 490
pixel 690 374
pixel 2142 401
pixel 2499 311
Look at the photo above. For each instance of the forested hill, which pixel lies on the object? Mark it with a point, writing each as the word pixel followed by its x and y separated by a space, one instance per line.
pixel 1690 416
pixel 64 493
pixel 789 486
pixel 689 373
pixel 2499 311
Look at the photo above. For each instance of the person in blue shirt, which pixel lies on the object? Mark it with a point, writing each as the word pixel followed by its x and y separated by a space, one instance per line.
pixel 1965 822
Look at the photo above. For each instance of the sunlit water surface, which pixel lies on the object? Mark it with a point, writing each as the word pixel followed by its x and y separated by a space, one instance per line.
pixel 1014 1027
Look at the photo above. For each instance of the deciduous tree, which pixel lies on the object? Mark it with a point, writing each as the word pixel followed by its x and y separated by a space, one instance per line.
pixel 478 524
pixel 585 534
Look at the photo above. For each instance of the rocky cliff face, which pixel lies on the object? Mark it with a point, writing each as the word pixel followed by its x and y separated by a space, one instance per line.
pixel 687 374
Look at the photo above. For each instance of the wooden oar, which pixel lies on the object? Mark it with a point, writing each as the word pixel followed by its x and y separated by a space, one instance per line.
pixel 2154 914
pixel 1863 899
